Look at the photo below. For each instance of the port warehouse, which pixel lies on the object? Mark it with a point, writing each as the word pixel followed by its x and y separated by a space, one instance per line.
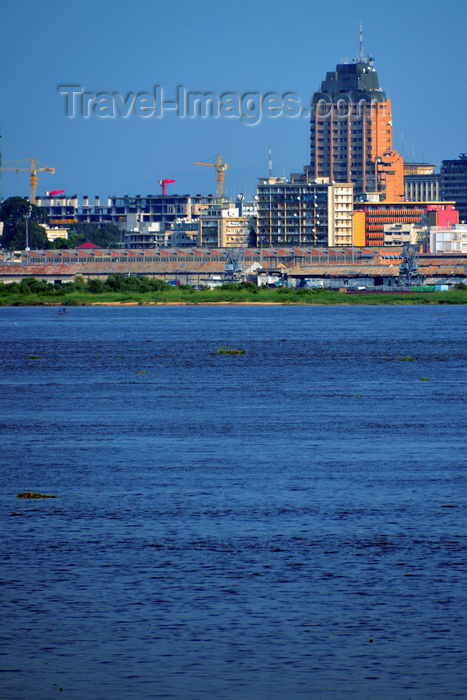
pixel 333 267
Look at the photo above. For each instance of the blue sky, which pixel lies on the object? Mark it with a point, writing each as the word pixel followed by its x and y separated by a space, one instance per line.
pixel 110 46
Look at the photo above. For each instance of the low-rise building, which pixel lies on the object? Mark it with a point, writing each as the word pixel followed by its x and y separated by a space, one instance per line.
pixel 401 234
pixel 184 232
pixel 421 183
pixel 340 277
pixel 220 226
pixel 145 235
pixel 377 214
pixel 449 240
pixel 54 232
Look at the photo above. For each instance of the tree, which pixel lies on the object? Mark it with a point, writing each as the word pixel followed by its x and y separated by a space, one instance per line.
pixel 14 212
pixel 59 244
pixel 103 235
pixel 79 282
pixel 31 285
pixel 95 286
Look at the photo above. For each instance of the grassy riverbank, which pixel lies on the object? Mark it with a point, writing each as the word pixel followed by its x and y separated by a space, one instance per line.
pixel 40 294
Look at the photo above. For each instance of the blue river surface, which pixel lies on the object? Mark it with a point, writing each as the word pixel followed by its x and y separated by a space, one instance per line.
pixel 290 522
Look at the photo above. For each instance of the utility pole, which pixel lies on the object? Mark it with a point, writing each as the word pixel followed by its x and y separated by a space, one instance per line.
pixel 28 216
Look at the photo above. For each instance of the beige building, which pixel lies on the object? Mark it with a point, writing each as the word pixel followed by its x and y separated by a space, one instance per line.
pixel 221 227
pixel 159 235
pixel 55 232
pixel 401 234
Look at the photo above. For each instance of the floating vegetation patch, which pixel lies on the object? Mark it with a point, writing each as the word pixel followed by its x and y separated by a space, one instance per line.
pixel 425 379
pixel 31 494
pixel 230 351
pixel 406 359
pixel 140 371
pixel 33 357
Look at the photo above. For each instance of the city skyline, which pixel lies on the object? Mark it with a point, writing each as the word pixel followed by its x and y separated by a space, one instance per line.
pixel 212 48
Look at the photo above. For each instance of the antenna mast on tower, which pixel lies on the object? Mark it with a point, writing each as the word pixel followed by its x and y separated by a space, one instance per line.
pixel 270 162
pixel 361 55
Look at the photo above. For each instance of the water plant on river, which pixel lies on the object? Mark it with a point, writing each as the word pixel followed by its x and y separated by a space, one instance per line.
pixel 31 494
pixel 230 351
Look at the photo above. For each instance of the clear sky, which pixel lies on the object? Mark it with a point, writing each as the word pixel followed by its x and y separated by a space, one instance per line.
pixel 237 47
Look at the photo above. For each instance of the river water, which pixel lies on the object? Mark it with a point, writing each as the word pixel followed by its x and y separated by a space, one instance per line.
pixel 286 523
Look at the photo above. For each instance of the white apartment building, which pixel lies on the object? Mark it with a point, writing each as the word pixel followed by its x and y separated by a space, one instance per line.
pixel 449 240
pixel 302 211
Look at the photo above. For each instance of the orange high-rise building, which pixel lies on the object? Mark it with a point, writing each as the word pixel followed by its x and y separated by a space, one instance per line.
pixel 351 132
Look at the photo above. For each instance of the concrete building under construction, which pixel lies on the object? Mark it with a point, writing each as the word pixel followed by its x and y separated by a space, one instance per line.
pixel 63 210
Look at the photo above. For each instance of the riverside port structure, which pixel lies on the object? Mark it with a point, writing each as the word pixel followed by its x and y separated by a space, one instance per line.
pixel 325 267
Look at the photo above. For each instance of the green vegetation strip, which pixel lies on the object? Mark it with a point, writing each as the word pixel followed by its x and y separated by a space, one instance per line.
pixel 124 289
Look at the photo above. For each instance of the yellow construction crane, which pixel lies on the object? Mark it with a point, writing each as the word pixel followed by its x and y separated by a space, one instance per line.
pixel 33 169
pixel 220 170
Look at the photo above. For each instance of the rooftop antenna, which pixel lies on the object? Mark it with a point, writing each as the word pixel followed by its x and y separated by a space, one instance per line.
pixel 270 161
pixel 361 55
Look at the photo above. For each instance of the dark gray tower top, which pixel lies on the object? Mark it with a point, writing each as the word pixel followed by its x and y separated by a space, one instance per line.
pixel 358 78
pixel 355 77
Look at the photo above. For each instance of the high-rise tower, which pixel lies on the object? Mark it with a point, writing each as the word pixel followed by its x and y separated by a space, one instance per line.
pixel 351 131
pixel 454 183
